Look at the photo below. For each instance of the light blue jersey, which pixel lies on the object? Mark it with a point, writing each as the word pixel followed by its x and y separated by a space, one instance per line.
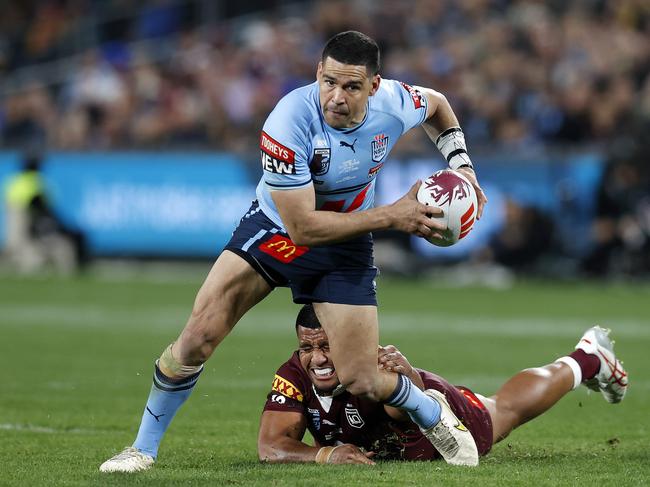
pixel 299 148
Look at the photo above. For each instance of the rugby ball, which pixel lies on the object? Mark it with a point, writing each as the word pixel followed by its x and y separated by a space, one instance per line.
pixel 454 194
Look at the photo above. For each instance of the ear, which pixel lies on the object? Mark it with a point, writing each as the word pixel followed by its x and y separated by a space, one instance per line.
pixel 375 84
pixel 319 70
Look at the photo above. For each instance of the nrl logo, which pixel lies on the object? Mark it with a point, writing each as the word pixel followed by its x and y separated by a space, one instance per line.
pixel 320 162
pixel 443 193
pixel 354 418
pixel 379 147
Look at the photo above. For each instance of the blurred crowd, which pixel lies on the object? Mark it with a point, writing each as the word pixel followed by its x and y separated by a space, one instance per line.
pixel 522 75
pixel 519 73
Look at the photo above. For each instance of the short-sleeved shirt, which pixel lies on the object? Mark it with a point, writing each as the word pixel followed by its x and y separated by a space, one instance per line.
pixel 345 418
pixel 298 148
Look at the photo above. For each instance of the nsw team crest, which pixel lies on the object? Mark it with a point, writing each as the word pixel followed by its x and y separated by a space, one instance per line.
pixel 379 147
pixel 320 162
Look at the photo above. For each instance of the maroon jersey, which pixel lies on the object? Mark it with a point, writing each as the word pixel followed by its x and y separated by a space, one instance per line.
pixel 348 419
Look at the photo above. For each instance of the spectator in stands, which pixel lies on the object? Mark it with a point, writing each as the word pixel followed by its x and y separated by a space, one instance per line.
pixel 621 229
pixel 522 74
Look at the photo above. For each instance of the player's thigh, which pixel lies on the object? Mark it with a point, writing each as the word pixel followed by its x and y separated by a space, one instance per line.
pixel 231 288
pixel 503 421
pixel 353 334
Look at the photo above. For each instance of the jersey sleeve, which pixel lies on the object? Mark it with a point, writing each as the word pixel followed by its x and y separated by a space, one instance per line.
pixel 286 390
pixel 283 145
pixel 410 105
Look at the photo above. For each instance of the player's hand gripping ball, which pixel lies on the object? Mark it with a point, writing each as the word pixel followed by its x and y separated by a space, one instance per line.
pixel 454 194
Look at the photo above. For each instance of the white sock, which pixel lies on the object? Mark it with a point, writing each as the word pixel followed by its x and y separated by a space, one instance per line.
pixel 575 368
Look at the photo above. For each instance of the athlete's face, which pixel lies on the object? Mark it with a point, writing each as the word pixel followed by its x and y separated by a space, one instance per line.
pixel 344 90
pixel 314 352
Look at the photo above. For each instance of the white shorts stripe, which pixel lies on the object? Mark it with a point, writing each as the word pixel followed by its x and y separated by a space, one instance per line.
pixel 252 240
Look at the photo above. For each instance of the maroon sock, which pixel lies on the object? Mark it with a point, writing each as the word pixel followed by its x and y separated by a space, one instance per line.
pixel 589 364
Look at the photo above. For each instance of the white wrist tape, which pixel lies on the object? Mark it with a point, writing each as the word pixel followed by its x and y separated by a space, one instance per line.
pixel 325 453
pixel 451 144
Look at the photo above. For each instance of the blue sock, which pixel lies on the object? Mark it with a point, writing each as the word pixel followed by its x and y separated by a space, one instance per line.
pixel 422 409
pixel 165 398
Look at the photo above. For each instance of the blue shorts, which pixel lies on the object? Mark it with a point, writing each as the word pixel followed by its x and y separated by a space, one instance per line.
pixel 341 273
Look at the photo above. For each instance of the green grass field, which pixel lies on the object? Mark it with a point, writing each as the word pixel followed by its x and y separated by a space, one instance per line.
pixel 77 356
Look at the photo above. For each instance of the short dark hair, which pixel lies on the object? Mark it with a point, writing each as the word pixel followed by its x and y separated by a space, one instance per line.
pixel 307 318
pixel 352 47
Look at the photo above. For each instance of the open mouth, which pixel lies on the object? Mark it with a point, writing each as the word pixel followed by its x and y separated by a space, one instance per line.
pixel 323 373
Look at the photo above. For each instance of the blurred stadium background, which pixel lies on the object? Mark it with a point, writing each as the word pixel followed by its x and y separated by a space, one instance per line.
pixel 146 118
pixel 129 142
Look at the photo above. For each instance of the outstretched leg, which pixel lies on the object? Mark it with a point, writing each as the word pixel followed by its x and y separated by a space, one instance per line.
pixel 230 290
pixel 533 391
pixel 527 395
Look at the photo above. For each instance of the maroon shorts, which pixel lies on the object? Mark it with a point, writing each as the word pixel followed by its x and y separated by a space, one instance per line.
pixel 467 407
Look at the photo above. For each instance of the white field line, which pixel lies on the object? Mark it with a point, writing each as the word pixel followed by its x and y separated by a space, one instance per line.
pixel 30 428
pixel 174 317
pixel 524 327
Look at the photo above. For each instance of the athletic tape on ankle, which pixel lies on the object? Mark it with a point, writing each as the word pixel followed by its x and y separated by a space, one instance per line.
pixel 169 365
pixel 575 368
pixel 325 453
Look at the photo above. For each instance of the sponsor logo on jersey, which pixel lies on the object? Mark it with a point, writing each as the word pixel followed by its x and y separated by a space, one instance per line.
pixel 320 162
pixel 379 147
pixel 276 158
pixel 280 399
pixel 349 145
pixel 372 172
pixel 416 96
pixel 282 248
pixel 314 415
pixel 286 388
pixel 354 418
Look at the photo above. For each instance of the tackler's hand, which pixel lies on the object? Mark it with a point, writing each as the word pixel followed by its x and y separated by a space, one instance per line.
pixel 392 360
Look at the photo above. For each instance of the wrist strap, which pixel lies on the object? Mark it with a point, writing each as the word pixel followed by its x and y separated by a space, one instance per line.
pixel 325 453
pixel 451 144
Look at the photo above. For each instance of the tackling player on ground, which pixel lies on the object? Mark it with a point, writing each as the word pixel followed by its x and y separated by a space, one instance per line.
pixel 322 148
pixel 350 429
